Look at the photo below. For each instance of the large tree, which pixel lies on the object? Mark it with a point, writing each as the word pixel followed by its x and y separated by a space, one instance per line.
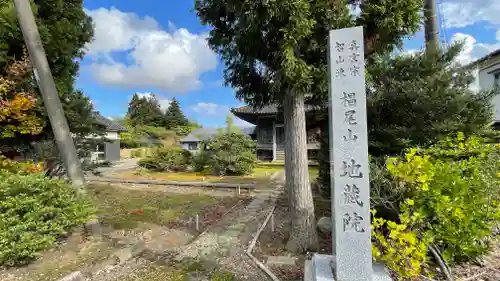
pixel 174 117
pixel 276 52
pixel 64 29
pixel 145 111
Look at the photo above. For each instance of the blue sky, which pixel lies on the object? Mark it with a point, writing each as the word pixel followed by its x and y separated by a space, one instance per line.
pixel 158 47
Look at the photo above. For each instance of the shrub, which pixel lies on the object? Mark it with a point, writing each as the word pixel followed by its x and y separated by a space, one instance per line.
pixel 399 247
pixel 448 196
pixel 34 212
pixel 232 153
pixel 167 160
pixel 137 153
pixel 200 161
pixel 22 167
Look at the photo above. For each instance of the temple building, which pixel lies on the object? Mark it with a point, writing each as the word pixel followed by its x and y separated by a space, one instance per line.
pixel 269 131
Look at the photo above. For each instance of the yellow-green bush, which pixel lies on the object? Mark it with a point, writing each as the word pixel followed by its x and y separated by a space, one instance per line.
pixel 34 212
pixel 399 247
pixel 447 197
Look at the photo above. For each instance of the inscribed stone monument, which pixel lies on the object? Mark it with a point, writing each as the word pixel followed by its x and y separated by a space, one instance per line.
pixel 349 156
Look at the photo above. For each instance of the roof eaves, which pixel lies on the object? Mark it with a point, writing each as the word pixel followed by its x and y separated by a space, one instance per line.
pixel 483 59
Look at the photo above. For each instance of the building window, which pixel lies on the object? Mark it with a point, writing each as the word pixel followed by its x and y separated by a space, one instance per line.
pixel 193 146
pixel 496 82
pixel 100 147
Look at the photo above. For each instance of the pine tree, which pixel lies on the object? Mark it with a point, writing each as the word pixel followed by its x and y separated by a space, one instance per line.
pixel 174 117
pixel 145 111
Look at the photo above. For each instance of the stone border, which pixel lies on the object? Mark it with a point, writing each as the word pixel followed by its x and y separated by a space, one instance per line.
pixel 247 186
pixel 254 241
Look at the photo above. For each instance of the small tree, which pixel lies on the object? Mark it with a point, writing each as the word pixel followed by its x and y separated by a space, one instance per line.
pixel 232 153
pixel 174 117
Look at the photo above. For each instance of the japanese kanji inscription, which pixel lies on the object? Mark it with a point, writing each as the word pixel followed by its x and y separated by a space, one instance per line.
pixel 349 143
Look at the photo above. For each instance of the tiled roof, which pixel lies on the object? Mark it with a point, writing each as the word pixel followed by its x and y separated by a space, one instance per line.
pixel 205 133
pixel 484 58
pixel 268 109
pixel 110 125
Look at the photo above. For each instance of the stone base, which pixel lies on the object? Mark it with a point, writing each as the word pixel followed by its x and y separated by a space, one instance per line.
pixel 320 268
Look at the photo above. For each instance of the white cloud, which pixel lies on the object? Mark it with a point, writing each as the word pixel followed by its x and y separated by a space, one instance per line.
pixel 168 60
pixel 472 49
pixel 461 13
pixel 213 109
pixel 209 108
pixel 164 102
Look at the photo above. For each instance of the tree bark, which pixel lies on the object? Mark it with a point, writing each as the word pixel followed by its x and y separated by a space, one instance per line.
pixel 303 234
pixel 324 160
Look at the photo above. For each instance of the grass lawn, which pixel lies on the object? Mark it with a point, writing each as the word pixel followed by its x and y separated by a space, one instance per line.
pixel 126 209
pixel 261 175
pixel 275 167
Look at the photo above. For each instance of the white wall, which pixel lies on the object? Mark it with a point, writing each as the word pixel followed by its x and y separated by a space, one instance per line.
pixel 486 81
pixel 109 135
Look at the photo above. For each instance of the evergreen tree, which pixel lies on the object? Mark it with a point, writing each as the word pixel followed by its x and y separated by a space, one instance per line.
pixel 276 52
pixel 174 117
pixel 415 100
pixel 145 111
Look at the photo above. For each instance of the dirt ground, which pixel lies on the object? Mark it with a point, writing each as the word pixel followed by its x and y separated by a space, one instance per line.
pixel 151 221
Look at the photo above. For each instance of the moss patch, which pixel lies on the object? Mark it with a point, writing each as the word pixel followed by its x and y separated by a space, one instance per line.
pixel 178 272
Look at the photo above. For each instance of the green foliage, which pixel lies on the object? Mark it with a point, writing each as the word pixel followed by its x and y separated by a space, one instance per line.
pixel 143 136
pixel 399 247
pixel 416 100
pixel 34 212
pixel 139 153
pixel 447 194
pixel 174 117
pixel 185 130
pixel 167 160
pixel 200 161
pixel 231 154
pixel 64 29
pixel 131 140
pixel 145 111
pixel 273 46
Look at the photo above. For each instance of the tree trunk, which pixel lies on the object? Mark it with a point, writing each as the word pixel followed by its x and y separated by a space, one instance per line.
pixel 324 160
pixel 303 234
